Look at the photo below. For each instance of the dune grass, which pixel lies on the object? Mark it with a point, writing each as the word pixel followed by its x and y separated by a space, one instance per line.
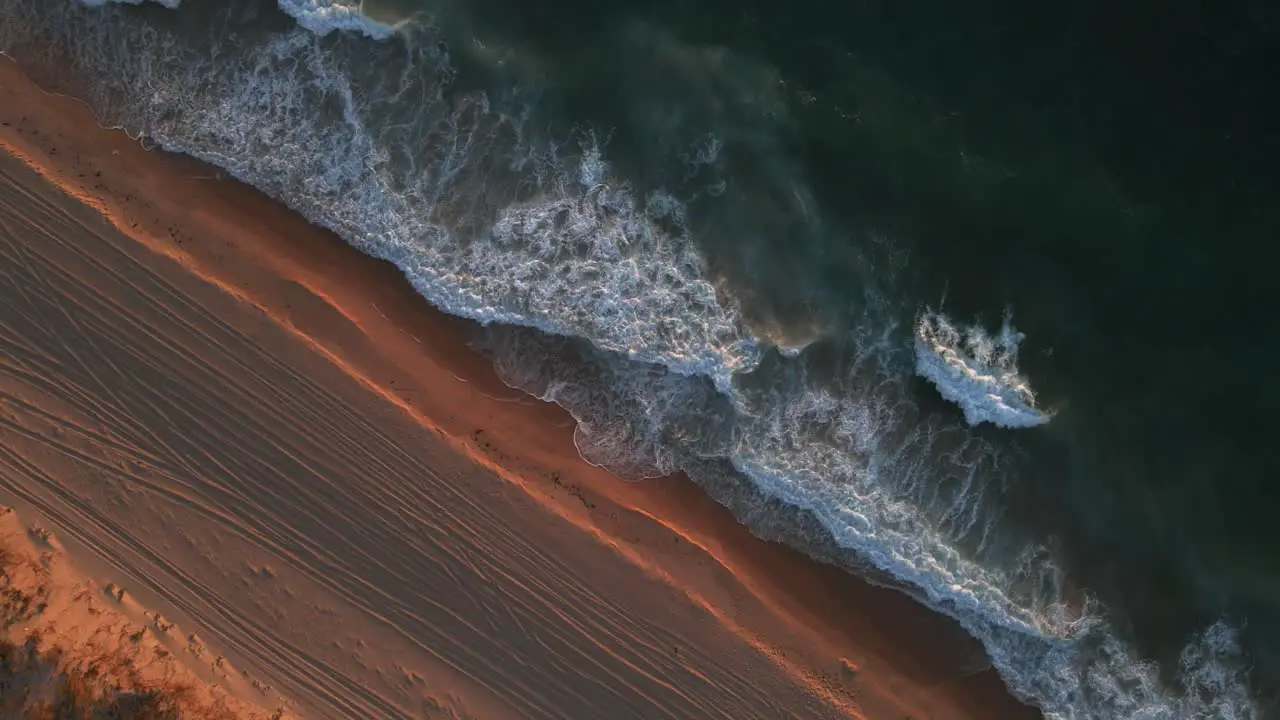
pixel 44 676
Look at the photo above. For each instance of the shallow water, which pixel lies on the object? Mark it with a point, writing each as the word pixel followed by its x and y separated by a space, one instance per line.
pixel 713 234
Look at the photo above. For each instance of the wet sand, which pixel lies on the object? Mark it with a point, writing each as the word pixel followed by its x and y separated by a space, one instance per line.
pixel 270 438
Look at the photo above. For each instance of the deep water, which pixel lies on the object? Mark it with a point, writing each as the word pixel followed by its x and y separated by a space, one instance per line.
pixel 734 239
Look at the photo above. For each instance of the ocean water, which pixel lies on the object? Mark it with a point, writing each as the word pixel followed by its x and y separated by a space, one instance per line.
pixel 971 302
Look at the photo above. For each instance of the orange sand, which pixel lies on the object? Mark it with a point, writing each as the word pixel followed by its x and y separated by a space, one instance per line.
pixel 602 598
pixel 98 642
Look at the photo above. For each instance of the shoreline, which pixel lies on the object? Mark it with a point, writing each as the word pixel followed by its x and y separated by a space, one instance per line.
pixel 363 316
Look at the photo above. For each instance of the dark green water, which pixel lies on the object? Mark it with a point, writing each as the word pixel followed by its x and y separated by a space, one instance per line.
pixel 1108 173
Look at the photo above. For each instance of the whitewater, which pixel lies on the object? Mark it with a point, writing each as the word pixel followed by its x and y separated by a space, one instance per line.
pixel 595 296
pixel 977 371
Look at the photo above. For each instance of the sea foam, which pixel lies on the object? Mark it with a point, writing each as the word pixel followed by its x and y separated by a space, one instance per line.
pixel 977 371
pixel 325 16
pixel 319 16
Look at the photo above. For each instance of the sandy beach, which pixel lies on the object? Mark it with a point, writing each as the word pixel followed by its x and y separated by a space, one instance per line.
pixel 271 440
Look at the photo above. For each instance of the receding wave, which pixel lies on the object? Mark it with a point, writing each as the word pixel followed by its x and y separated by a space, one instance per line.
pixel 597 297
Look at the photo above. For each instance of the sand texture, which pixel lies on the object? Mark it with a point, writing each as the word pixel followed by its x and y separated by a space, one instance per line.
pixel 268 439
pixel 73 649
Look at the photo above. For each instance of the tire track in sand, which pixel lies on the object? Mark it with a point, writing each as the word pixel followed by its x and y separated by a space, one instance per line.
pixel 175 404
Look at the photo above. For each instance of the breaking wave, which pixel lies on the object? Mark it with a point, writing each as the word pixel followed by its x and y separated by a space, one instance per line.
pixel 976 371
pixel 326 16
pixel 319 16
pixel 596 296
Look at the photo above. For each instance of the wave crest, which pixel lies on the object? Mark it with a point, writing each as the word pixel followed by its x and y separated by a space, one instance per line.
pixel 977 371
pixel 319 16
pixel 325 16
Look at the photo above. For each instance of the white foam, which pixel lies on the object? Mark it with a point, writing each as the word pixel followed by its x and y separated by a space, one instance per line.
pixel 325 16
pixel 871 493
pixel 976 371
pixel 583 255
pixel 171 4
pixel 319 16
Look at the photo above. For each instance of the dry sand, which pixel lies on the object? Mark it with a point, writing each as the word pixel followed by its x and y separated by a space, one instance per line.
pixel 72 648
pixel 270 439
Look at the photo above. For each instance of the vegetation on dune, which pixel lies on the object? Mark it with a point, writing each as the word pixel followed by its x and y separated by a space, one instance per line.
pixel 45 677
